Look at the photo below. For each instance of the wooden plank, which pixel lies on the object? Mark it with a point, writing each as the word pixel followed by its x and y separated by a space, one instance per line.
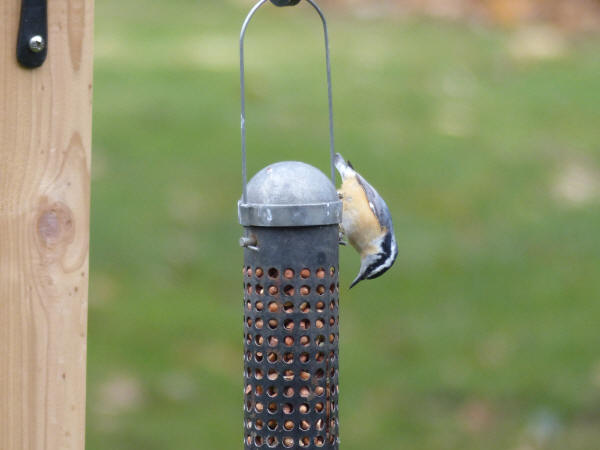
pixel 45 139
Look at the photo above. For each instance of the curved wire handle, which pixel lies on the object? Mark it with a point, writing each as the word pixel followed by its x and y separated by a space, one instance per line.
pixel 243 92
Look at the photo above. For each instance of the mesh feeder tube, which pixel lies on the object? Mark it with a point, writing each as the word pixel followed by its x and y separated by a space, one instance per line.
pixel 291 299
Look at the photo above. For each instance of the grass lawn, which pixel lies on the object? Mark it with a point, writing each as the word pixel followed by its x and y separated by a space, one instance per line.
pixel 485 333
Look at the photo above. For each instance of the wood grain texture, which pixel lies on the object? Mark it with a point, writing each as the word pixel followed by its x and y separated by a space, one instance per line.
pixel 45 138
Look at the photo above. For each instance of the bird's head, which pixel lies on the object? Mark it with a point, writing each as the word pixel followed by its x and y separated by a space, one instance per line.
pixel 376 263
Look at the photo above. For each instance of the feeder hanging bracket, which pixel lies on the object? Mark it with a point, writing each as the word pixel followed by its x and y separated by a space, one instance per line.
pixel 243 85
pixel 32 40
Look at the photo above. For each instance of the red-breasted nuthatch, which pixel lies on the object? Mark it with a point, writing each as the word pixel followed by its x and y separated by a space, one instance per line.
pixel 366 222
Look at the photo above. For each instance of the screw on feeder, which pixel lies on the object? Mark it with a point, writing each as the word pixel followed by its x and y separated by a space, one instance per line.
pixel 249 243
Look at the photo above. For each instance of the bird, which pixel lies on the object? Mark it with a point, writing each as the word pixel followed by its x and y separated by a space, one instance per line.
pixel 366 222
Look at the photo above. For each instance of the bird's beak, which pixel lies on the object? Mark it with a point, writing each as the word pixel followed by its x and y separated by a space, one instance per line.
pixel 357 280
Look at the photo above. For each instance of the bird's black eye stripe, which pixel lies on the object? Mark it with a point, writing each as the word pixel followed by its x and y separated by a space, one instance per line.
pixel 387 244
pixel 375 266
pixel 383 256
pixel 378 274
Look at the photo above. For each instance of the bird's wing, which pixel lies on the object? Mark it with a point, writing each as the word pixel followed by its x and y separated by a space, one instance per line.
pixel 376 203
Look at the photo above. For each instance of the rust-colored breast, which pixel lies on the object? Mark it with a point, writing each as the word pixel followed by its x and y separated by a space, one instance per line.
pixel 361 226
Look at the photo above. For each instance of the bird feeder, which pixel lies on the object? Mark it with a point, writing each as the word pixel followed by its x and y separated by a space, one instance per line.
pixel 291 213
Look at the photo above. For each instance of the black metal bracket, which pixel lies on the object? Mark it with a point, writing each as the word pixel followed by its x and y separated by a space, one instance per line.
pixel 32 41
pixel 285 2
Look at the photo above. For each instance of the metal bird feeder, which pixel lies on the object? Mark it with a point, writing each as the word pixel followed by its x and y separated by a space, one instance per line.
pixel 291 213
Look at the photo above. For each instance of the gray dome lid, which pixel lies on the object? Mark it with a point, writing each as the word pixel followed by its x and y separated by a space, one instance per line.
pixel 290 193
pixel 290 183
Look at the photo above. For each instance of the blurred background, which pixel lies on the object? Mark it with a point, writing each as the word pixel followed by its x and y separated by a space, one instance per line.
pixel 478 122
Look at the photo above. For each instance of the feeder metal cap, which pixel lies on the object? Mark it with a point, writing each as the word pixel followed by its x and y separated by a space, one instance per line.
pixel 290 194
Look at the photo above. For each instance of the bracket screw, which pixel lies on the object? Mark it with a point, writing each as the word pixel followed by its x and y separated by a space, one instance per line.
pixel 37 44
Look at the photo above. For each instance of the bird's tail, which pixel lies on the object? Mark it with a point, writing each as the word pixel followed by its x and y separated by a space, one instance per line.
pixel 343 167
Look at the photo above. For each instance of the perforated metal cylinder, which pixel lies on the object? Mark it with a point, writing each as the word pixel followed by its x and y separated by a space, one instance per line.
pixel 291 328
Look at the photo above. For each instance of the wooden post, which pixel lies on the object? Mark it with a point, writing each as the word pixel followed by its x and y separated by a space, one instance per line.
pixel 45 135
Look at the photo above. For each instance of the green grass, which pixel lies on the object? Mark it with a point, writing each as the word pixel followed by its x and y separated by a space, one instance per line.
pixel 483 336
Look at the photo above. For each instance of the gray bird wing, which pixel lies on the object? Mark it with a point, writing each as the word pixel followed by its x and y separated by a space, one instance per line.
pixel 377 204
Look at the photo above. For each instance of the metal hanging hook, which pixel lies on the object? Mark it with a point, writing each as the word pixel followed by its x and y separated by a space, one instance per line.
pixel 243 85
pixel 285 2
